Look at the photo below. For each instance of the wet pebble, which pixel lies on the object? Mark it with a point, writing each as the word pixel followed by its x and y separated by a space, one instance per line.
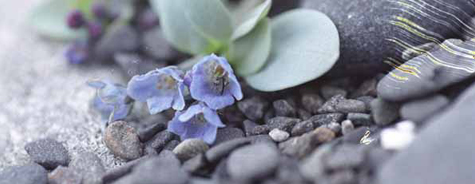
pixel 49 153
pixel 123 141
pixel 189 148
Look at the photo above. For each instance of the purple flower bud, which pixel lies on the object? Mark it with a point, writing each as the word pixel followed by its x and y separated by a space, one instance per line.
pixel 95 29
pixel 214 83
pixel 77 52
pixel 161 89
pixel 99 10
pixel 75 19
pixel 147 19
pixel 198 121
pixel 110 98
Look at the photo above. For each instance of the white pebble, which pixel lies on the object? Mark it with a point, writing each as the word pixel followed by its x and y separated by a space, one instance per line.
pixel 399 137
pixel 279 135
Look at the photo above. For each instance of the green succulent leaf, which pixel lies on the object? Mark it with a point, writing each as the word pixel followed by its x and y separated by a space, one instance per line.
pixel 250 53
pixel 186 32
pixel 305 46
pixel 248 15
pixel 49 19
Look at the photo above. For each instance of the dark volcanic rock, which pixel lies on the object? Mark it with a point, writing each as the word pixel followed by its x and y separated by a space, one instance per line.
pixel 282 123
pixel 446 142
pixel 150 131
pixel 253 162
pixel 49 153
pixel 253 108
pixel 26 174
pixel 324 119
pixel 366 31
pixel 161 140
pixel 302 127
pixel 422 109
pixel 384 112
pixel 260 129
pixel 123 141
pixel 339 104
pixel 284 108
pixel 228 133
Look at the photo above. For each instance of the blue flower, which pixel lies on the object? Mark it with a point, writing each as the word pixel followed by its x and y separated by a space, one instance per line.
pixel 77 52
pixel 214 83
pixel 198 121
pixel 161 89
pixel 110 98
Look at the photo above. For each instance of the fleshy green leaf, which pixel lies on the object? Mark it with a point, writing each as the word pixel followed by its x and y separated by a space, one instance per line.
pixel 211 18
pixel 178 30
pixel 305 46
pixel 249 15
pixel 249 53
pixel 49 19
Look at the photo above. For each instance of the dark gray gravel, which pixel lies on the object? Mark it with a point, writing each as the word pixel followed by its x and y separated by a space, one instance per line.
pixel 26 174
pixel 48 153
pixel 228 133
pixel 253 108
pixel 384 112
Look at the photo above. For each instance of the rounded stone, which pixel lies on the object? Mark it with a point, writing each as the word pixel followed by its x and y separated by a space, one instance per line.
pixel 279 135
pixel 253 162
pixel 123 141
pixel 190 148
pixel 26 174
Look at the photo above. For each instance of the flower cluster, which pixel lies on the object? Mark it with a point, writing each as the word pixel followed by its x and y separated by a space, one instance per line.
pixel 78 52
pixel 211 82
pixel 111 100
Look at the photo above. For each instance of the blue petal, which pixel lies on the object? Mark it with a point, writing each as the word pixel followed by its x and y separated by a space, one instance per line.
pixel 121 112
pixel 113 94
pixel 159 104
pixel 142 87
pixel 235 88
pixel 98 84
pixel 212 117
pixel 173 71
pixel 210 134
pixel 190 112
pixel 176 126
pixel 194 130
pixel 179 99
pixel 201 91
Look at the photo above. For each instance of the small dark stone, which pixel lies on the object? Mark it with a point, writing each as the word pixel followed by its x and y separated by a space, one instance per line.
pixel 253 108
pixel 303 114
pixel 334 126
pixel 171 145
pixel 367 101
pixel 228 133
pixel 161 139
pixel 64 175
pixel 161 169
pixel 26 174
pixel 324 119
pixel 422 109
pixel 312 102
pixel 260 129
pixel 302 127
pixel 195 164
pixel 118 172
pixel 384 112
pixel 269 114
pixel 331 91
pixel 284 108
pixel 155 45
pixel 49 153
pixel 347 127
pixel 282 123
pixel 360 119
pixel 257 139
pixel 248 127
pixel 123 141
pixel 355 136
pixel 190 148
pixel 343 177
pixel 346 156
pixel 147 133
pixel 323 134
pixel 253 162
pixel 367 88
pixel 339 104
pixel 299 146
pixel 89 166
pixel 220 151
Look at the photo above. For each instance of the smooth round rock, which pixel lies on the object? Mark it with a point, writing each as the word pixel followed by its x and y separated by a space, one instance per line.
pixel 26 174
pixel 88 165
pixel 422 109
pixel 227 134
pixel 369 29
pixel 123 141
pixel 190 148
pixel 384 112
pixel 49 153
pixel 253 162
pixel 279 135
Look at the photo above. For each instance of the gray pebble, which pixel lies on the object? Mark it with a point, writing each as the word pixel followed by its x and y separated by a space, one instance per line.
pixel 150 131
pixel 89 166
pixel 339 104
pixel 347 127
pixel 228 133
pixel 64 175
pixel 279 135
pixel 422 109
pixel 360 119
pixel 253 162
pixel 302 127
pixel 346 156
pixel 248 127
pixel 26 174
pixel 334 126
pixel 384 112
pixel 253 108
pixel 216 153
pixel 49 153
pixel 260 129
pixel 312 102
pixel 123 141
pixel 160 140
pixel 331 91
pixel 189 148
pixel 284 108
pixel 195 165
pixel 171 145
pixel 324 119
pixel 303 114
pixel 282 123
